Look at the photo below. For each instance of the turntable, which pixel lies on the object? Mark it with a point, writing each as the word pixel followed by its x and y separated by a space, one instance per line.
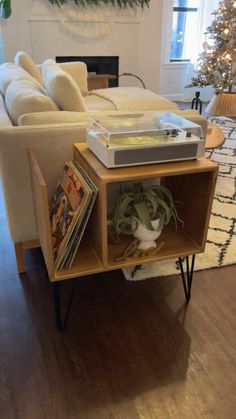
pixel 130 139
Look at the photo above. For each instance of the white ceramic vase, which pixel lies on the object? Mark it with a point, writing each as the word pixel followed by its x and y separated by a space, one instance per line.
pixel 147 237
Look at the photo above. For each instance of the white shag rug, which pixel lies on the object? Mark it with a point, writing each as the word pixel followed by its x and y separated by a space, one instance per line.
pixel 221 240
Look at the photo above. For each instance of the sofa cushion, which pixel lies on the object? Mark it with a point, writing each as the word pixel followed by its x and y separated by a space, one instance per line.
pixel 78 71
pixel 61 87
pixel 4 118
pixel 134 98
pixel 10 72
pixel 26 62
pixel 60 117
pixel 95 103
pixel 24 96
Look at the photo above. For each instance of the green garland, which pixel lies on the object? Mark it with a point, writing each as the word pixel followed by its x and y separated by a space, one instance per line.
pixel 5 5
pixel 5 8
pixel 121 4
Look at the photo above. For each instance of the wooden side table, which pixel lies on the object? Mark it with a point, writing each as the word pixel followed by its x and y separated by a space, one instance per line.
pixel 99 81
pixel 192 185
pixel 215 137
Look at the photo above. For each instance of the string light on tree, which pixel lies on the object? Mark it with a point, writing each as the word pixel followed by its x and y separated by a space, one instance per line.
pixel 217 62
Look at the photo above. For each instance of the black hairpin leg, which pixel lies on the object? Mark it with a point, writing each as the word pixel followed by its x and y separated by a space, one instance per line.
pixel 187 276
pixel 62 323
pixel 196 102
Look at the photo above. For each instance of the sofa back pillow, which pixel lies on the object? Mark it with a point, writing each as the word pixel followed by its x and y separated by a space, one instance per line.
pixel 78 71
pixel 24 96
pixel 26 62
pixel 10 72
pixel 61 87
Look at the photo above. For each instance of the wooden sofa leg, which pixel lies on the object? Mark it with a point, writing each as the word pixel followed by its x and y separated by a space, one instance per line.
pixel 19 251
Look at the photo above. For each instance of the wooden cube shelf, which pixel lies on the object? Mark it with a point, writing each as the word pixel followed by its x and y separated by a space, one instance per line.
pixel 191 183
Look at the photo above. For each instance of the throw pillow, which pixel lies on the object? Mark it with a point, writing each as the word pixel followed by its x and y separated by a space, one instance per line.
pixel 24 96
pixel 78 71
pixel 10 72
pixel 26 62
pixel 61 87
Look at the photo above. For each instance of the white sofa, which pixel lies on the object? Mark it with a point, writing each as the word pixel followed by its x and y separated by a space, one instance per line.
pixel 51 133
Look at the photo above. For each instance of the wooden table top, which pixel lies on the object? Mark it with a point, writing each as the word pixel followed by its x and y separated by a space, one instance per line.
pixel 144 171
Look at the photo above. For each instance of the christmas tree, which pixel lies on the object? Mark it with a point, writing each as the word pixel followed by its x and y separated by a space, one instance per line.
pixel 217 63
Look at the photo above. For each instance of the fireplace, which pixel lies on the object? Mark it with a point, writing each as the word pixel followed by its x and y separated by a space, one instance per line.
pixel 97 64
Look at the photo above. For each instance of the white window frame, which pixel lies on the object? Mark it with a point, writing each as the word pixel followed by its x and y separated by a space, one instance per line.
pixel 186 10
pixel 166 40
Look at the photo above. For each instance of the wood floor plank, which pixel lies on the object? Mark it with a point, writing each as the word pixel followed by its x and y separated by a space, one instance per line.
pixel 131 350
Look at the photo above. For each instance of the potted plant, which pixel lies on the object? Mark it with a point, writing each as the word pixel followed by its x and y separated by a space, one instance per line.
pixel 143 211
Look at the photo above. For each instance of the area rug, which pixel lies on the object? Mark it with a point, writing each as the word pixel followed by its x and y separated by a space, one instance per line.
pixel 221 239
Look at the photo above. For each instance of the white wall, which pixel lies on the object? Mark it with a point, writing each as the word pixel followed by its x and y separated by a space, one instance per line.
pixel 34 27
pixel 139 39
pixel 173 76
pixel 173 79
pixel 15 30
pixel 149 45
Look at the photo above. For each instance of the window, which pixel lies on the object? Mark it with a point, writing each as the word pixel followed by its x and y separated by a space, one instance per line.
pixel 184 29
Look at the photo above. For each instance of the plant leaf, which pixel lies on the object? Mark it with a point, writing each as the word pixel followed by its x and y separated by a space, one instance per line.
pixel 143 215
pixel 5 8
pixel 125 201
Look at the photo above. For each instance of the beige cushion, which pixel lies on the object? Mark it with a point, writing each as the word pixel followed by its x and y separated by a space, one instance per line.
pixel 60 117
pixel 62 88
pixel 44 118
pixel 24 96
pixel 95 103
pixel 4 118
pixel 26 62
pixel 78 71
pixel 63 117
pixel 10 72
pixel 134 98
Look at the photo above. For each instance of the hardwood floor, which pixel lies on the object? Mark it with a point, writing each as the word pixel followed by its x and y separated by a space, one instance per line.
pixel 131 350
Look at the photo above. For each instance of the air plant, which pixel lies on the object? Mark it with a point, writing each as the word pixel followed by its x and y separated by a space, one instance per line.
pixel 142 204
